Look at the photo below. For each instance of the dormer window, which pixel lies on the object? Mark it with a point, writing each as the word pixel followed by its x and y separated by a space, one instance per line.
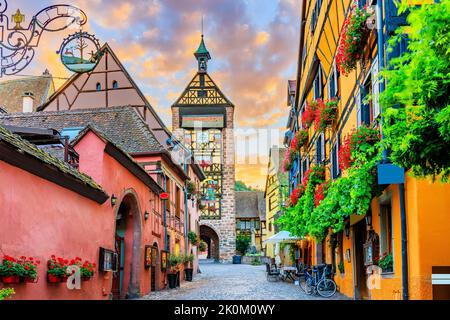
pixel 98 86
pixel 115 84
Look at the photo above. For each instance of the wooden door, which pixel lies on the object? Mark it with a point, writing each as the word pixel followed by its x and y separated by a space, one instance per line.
pixel 118 275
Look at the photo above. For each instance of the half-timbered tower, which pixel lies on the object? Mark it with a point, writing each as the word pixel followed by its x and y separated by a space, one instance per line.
pixel 203 118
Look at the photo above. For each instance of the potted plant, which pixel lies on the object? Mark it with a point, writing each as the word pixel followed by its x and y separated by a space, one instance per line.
pixel 56 269
pixel 341 267
pixel 326 113
pixel 174 262
pixel 386 262
pixel 191 189
pixel 6 293
pixel 192 236
pixel 309 114
pixel 202 246
pixel 29 272
pixel 189 266
pixel 353 37
pixel 10 270
pixel 87 270
pixel 242 245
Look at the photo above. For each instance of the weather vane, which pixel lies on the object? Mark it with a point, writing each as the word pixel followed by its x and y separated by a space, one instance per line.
pixel 17 43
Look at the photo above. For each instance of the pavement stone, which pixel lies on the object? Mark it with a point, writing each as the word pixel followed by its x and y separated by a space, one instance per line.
pixel 235 282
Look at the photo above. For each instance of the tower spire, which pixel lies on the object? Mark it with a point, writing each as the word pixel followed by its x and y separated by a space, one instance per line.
pixel 202 54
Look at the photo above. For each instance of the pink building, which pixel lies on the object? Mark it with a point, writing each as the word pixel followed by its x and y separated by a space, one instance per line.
pixel 125 150
pixel 50 208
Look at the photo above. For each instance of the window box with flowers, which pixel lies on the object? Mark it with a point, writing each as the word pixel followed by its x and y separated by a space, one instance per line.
pixel 300 140
pixel 386 263
pixel 326 114
pixel 354 34
pixel 56 269
pixel 23 269
pixel 296 194
pixel 87 268
pixel 191 189
pixel 309 114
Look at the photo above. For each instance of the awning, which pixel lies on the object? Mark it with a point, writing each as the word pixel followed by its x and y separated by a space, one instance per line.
pixel 281 237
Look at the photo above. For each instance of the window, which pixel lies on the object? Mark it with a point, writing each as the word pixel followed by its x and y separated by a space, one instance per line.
pixel 98 86
pixel 270 226
pixel 305 166
pixel 177 202
pixel 305 53
pixel 320 149
pixel 363 111
pixel 273 203
pixel 115 85
pixel 315 14
pixel 317 85
pixel 168 202
pixel 335 171
pixel 333 85
pixel 302 110
pixel 375 88
pixel 202 80
pixel 386 239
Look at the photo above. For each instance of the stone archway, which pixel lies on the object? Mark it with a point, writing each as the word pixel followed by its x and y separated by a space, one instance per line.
pixel 128 237
pixel 210 236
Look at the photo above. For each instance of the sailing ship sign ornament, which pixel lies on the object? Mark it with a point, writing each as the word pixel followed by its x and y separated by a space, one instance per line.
pixel 80 52
pixel 17 41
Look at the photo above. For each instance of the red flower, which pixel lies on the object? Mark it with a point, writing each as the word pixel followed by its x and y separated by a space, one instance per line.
pixel 296 194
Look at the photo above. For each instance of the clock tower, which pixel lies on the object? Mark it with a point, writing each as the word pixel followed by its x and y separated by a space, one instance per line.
pixel 203 118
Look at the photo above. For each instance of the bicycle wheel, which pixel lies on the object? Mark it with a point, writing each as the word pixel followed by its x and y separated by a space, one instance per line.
pixel 308 285
pixel 326 288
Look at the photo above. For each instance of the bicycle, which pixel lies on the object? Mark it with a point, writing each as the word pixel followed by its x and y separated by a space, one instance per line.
pixel 313 284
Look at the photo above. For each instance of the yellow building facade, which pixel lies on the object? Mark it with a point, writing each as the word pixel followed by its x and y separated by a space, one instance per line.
pixel 426 204
pixel 276 190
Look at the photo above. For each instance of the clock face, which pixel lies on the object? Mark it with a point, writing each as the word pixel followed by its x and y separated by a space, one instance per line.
pixel 202 65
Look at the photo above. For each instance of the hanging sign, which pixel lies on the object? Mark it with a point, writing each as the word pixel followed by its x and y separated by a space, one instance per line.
pixel 80 52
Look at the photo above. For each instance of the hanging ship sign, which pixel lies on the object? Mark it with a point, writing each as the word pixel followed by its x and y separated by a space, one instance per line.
pixel 80 52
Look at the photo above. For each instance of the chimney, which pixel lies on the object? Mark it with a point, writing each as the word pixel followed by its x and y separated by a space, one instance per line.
pixel 28 101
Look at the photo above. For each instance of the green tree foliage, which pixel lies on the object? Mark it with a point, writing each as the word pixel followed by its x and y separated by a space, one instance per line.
pixel 241 186
pixel 416 102
pixel 242 243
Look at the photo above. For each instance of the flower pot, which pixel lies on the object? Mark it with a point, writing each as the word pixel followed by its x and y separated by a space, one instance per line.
pixel 51 278
pixel 188 272
pixel 30 280
pixel 10 279
pixel 172 279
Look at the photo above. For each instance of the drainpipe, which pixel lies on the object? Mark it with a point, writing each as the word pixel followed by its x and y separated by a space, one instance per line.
pixel 401 189
pixel 166 244
pixel 401 186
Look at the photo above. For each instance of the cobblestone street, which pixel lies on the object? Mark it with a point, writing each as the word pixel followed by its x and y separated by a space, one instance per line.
pixel 234 282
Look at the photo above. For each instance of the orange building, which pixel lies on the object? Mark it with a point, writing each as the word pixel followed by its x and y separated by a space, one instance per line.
pixel 419 207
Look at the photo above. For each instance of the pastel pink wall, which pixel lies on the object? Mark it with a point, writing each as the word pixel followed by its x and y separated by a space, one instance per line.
pixel 40 218
pixel 119 181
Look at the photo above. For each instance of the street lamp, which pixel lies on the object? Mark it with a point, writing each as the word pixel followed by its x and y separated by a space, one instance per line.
pixel 369 219
pixel 113 200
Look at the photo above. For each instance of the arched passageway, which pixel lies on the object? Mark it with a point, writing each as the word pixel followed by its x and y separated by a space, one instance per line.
pixel 211 238
pixel 126 281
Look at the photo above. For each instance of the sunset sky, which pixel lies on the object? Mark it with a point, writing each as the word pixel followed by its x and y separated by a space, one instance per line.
pixel 253 44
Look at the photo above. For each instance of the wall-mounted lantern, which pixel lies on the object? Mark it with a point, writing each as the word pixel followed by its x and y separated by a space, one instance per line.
pixel 347 230
pixel 146 215
pixel 113 200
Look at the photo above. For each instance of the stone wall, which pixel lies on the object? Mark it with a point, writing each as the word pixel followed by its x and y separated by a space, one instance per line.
pixel 226 226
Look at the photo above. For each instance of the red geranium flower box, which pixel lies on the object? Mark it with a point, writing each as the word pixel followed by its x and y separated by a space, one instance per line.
pixel 10 279
pixel 53 279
